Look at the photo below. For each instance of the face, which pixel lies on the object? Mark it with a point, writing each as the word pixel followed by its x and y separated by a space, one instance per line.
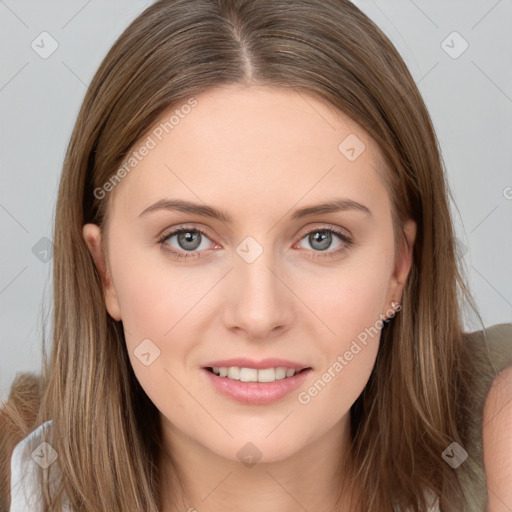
pixel 271 279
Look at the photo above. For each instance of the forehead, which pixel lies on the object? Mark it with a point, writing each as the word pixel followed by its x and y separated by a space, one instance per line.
pixel 242 145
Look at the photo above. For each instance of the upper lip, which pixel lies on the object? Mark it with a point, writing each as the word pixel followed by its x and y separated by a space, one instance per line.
pixel 244 362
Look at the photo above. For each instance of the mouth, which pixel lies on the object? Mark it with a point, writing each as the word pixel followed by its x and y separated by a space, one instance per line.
pixel 263 375
pixel 231 367
pixel 250 386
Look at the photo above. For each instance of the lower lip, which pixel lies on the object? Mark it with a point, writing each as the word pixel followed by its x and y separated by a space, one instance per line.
pixel 257 393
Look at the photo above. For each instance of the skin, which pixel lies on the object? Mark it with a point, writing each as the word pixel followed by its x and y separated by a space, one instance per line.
pixel 497 425
pixel 239 149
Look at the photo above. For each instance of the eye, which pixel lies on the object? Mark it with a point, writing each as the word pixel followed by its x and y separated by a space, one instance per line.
pixel 320 239
pixel 189 240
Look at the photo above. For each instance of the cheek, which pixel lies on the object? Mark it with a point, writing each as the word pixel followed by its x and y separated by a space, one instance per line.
pixel 154 294
pixel 350 302
pixel 350 296
pixel 153 305
pixel 352 310
pixel 338 385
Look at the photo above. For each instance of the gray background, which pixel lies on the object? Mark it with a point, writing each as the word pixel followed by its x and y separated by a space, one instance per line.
pixel 469 98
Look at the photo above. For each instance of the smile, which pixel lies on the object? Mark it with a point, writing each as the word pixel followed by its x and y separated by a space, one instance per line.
pixel 255 392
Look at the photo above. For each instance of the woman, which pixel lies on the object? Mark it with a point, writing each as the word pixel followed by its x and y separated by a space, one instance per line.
pixel 209 347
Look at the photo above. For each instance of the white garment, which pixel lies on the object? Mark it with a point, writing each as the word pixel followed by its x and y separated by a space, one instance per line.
pixel 432 502
pixel 30 455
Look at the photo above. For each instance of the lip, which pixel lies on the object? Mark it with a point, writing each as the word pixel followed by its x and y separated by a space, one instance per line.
pixel 256 393
pixel 244 362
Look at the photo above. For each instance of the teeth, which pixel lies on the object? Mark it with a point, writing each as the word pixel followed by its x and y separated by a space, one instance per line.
pixel 234 373
pixel 254 375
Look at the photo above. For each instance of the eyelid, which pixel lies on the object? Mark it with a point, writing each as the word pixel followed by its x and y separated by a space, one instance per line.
pixel 180 254
pixel 320 226
pixel 324 226
pixel 342 233
pixel 171 230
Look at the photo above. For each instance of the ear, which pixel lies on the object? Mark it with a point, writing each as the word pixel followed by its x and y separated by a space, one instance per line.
pixel 92 237
pixel 403 262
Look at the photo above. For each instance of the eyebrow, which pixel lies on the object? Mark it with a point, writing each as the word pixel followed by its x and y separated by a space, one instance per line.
pixel 335 205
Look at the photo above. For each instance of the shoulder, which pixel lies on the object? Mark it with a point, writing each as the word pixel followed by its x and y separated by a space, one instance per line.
pixel 29 456
pixel 490 351
pixel 497 416
pixel 499 342
pixel 497 439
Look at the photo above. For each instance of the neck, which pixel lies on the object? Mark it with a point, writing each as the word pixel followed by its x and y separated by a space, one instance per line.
pixel 310 479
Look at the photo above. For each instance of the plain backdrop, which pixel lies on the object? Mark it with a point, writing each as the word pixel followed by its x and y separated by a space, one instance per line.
pixel 459 53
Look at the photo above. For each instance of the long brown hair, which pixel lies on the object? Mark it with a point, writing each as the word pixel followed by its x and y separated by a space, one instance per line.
pixel 105 429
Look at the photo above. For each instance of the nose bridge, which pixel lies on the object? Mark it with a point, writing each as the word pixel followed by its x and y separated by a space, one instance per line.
pixel 259 301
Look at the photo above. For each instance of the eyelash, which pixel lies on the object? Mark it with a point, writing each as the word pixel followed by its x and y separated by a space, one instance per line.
pixel 347 241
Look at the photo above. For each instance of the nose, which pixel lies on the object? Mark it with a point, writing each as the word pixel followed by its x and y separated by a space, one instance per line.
pixel 259 302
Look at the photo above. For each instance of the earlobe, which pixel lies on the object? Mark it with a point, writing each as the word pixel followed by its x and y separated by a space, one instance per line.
pixel 92 237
